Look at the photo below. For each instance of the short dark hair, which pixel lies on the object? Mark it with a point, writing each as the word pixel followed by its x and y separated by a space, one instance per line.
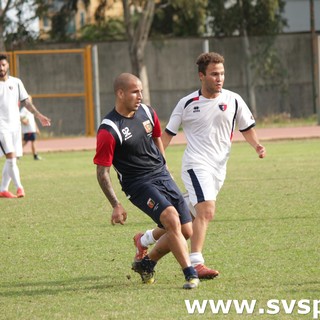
pixel 4 57
pixel 206 58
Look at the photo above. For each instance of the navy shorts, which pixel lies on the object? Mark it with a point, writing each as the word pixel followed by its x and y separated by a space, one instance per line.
pixel 30 136
pixel 153 197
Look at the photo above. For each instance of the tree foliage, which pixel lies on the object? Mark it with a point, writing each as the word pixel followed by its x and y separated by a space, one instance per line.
pixel 252 18
pixel 177 18
pixel 261 17
pixel 247 18
pixel 112 29
pixel 180 18
pixel 4 8
pixel 138 17
pixel 15 28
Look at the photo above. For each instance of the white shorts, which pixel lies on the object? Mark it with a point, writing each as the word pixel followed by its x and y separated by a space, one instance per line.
pixel 11 142
pixel 201 185
pixel 190 206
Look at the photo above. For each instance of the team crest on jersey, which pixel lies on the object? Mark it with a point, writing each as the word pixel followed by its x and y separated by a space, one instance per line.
pixel 147 126
pixel 223 107
pixel 150 203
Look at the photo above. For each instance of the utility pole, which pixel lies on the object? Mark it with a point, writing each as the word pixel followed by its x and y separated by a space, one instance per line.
pixel 315 63
pixel 247 52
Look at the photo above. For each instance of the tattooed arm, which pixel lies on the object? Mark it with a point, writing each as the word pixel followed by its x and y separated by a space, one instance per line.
pixel 119 215
pixel 45 121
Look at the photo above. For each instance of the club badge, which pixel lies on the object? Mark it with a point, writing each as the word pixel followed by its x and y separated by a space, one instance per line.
pixel 150 203
pixel 147 126
pixel 223 107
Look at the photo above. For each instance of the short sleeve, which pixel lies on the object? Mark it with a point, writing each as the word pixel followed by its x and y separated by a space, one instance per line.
pixel 23 94
pixel 157 131
pixel 176 118
pixel 245 118
pixel 104 148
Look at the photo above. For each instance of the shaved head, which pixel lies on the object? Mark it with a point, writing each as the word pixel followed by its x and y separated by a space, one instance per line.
pixel 128 94
pixel 123 81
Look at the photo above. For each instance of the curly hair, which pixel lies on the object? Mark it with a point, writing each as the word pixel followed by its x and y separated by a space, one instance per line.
pixel 206 58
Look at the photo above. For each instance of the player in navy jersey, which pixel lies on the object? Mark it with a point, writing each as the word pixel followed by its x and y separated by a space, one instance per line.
pixel 129 139
pixel 208 117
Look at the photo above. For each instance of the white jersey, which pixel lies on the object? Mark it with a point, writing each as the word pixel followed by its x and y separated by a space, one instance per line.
pixel 12 91
pixel 30 126
pixel 209 125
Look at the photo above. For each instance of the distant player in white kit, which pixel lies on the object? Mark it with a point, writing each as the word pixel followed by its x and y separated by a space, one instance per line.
pixel 29 129
pixel 208 117
pixel 12 91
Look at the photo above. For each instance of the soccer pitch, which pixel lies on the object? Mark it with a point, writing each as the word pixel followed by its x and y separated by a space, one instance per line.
pixel 61 258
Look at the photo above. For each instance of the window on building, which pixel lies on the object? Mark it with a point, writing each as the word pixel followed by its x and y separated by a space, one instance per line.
pixel 82 19
pixel 71 29
pixel 46 22
pixel 57 4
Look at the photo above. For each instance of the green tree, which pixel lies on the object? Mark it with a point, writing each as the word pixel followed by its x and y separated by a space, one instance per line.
pixel 4 8
pixel 259 17
pixel 111 29
pixel 138 16
pixel 180 18
pixel 15 28
pixel 247 18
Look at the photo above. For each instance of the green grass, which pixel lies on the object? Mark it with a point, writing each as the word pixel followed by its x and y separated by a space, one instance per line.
pixel 61 258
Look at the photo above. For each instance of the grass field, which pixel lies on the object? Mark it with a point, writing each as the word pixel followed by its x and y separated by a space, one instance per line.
pixel 61 258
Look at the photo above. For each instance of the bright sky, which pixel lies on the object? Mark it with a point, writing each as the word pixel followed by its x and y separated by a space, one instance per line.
pixel 34 26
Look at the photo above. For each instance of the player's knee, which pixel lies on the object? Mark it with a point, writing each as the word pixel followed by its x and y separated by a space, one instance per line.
pixel 170 219
pixel 205 211
pixel 187 230
pixel 209 215
pixel 206 214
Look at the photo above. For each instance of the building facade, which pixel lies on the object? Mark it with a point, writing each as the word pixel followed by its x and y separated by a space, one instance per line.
pixel 83 16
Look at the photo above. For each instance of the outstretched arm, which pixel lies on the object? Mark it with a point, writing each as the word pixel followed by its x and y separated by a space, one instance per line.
pixel 252 138
pixel 29 105
pixel 119 215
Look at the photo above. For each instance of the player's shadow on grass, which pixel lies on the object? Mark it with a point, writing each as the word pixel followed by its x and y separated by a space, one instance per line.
pixel 307 286
pixel 55 287
pixel 265 219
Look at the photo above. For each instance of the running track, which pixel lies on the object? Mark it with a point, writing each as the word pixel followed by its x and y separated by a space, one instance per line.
pixel 88 143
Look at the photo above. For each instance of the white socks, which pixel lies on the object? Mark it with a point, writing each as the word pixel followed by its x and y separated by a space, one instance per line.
pixel 196 258
pixel 10 171
pixel 147 239
pixel 5 178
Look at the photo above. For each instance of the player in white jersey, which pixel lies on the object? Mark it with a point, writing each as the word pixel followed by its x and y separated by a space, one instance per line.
pixel 12 91
pixel 29 129
pixel 208 117
pixel 208 125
